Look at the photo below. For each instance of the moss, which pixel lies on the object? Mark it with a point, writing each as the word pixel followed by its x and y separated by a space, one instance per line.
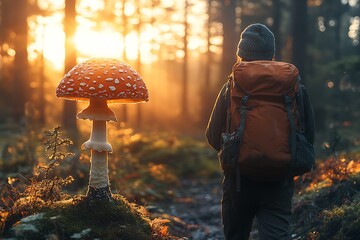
pixel 341 223
pixel 330 212
pixel 333 195
pixel 106 220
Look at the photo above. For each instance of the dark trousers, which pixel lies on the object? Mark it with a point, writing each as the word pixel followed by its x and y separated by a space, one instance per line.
pixel 270 203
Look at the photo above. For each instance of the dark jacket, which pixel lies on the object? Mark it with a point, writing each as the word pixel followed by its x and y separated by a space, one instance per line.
pixel 217 121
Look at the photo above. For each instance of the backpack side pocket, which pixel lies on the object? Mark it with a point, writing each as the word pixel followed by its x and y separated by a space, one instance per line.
pixel 304 157
pixel 228 156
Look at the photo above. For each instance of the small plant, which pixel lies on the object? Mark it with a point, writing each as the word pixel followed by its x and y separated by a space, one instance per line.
pixel 334 141
pixel 43 185
pixel 43 188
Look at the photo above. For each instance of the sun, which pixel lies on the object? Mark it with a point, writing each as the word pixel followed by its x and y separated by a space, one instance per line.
pixel 107 42
pixel 49 39
pixel 107 39
pixel 103 43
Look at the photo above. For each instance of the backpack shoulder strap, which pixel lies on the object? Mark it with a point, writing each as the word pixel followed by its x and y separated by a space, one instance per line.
pixel 300 104
pixel 288 103
pixel 292 137
pixel 228 102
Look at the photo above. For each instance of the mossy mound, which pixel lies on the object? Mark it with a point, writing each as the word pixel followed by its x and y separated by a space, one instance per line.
pixel 81 219
pixel 330 212
pixel 341 223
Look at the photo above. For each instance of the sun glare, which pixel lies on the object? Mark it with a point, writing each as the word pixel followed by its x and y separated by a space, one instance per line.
pixel 105 39
pixel 104 43
pixel 49 35
pixel 107 42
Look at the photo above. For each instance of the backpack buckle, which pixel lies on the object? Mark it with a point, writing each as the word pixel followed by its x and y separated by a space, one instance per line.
pixel 245 99
pixel 288 99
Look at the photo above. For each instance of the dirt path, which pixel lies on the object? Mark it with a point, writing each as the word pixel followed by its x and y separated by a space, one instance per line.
pixel 195 211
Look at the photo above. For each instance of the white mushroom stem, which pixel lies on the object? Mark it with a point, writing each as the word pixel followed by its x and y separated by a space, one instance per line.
pixel 98 138
pixel 99 112
pixel 99 171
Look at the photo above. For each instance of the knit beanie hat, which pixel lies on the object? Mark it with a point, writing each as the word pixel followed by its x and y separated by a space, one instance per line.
pixel 257 42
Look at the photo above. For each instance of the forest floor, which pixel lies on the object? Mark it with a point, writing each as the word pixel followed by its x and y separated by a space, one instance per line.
pixel 195 211
pixel 178 181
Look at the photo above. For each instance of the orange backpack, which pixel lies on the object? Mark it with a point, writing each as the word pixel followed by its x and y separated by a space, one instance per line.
pixel 262 110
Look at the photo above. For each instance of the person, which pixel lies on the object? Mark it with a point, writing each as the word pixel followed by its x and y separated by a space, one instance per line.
pixel 270 202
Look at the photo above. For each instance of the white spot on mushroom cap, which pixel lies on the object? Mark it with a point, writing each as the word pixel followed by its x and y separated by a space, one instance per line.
pixel 91 88
pixel 109 79
pixel 117 81
pixel 112 88
pixel 100 86
pixel 70 89
pixel 128 85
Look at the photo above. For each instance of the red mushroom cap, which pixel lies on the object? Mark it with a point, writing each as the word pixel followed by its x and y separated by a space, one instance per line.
pixel 106 78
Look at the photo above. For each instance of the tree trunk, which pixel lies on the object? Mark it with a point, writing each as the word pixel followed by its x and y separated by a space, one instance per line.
pixel 230 37
pixel 299 33
pixel 42 100
pixel 3 30
pixel 69 115
pixel 184 96
pixel 205 91
pixel 138 64
pixel 338 13
pixel 124 117
pixel 20 83
pixel 276 27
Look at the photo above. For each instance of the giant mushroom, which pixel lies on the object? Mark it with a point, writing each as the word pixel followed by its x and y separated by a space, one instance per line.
pixel 101 81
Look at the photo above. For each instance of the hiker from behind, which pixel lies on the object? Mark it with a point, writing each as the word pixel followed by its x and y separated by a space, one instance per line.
pixel 262 125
